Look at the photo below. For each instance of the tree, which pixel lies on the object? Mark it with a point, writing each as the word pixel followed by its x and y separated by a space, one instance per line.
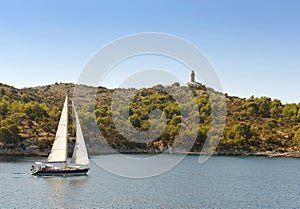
pixel 176 84
pixel 4 107
pixel 253 108
pixel 296 138
pixel 289 110
pixel 2 91
pixel 264 106
pixel 24 98
pixel 276 109
pixel 242 132
pixel 36 111
pixel 9 132
pixel 271 124
pixel 135 120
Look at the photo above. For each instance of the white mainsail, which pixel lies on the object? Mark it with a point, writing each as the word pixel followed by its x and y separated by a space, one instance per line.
pixel 60 145
pixel 80 156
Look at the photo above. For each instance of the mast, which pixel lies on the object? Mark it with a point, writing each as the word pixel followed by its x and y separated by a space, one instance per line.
pixel 67 135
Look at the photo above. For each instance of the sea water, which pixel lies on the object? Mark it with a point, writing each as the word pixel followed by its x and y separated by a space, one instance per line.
pixel 221 182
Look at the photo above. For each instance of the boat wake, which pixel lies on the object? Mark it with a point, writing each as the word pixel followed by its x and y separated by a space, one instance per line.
pixel 19 175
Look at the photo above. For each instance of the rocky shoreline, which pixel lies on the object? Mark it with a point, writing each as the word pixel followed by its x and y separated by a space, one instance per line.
pixel 35 153
pixel 262 154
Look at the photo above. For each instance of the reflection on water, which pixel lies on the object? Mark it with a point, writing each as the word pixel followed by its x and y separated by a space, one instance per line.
pixel 57 188
pixel 62 188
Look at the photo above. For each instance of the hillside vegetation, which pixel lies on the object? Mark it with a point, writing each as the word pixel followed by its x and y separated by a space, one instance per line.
pixel 29 118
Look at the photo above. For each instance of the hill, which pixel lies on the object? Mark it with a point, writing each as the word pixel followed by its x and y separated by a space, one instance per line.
pixel 254 126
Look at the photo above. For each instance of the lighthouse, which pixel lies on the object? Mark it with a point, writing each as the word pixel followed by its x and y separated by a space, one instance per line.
pixel 192 81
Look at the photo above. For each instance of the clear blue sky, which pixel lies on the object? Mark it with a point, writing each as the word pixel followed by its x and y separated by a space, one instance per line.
pixel 253 44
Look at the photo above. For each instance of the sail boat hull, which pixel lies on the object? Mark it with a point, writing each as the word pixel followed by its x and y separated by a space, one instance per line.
pixel 62 172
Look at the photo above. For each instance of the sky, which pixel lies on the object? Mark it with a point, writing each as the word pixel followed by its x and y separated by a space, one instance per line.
pixel 253 44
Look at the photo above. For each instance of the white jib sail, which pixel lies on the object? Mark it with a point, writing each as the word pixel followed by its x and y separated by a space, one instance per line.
pixel 59 149
pixel 80 155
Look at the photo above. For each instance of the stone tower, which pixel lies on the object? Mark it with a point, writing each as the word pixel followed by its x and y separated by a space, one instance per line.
pixel 193 76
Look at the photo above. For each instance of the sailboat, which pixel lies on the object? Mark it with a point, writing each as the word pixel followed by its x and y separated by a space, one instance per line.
pixel 79 164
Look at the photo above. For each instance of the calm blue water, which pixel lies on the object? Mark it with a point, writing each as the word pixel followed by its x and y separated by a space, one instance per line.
pixel 222 182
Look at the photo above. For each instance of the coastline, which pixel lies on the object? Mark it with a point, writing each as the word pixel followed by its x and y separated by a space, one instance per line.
pixel 270 154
